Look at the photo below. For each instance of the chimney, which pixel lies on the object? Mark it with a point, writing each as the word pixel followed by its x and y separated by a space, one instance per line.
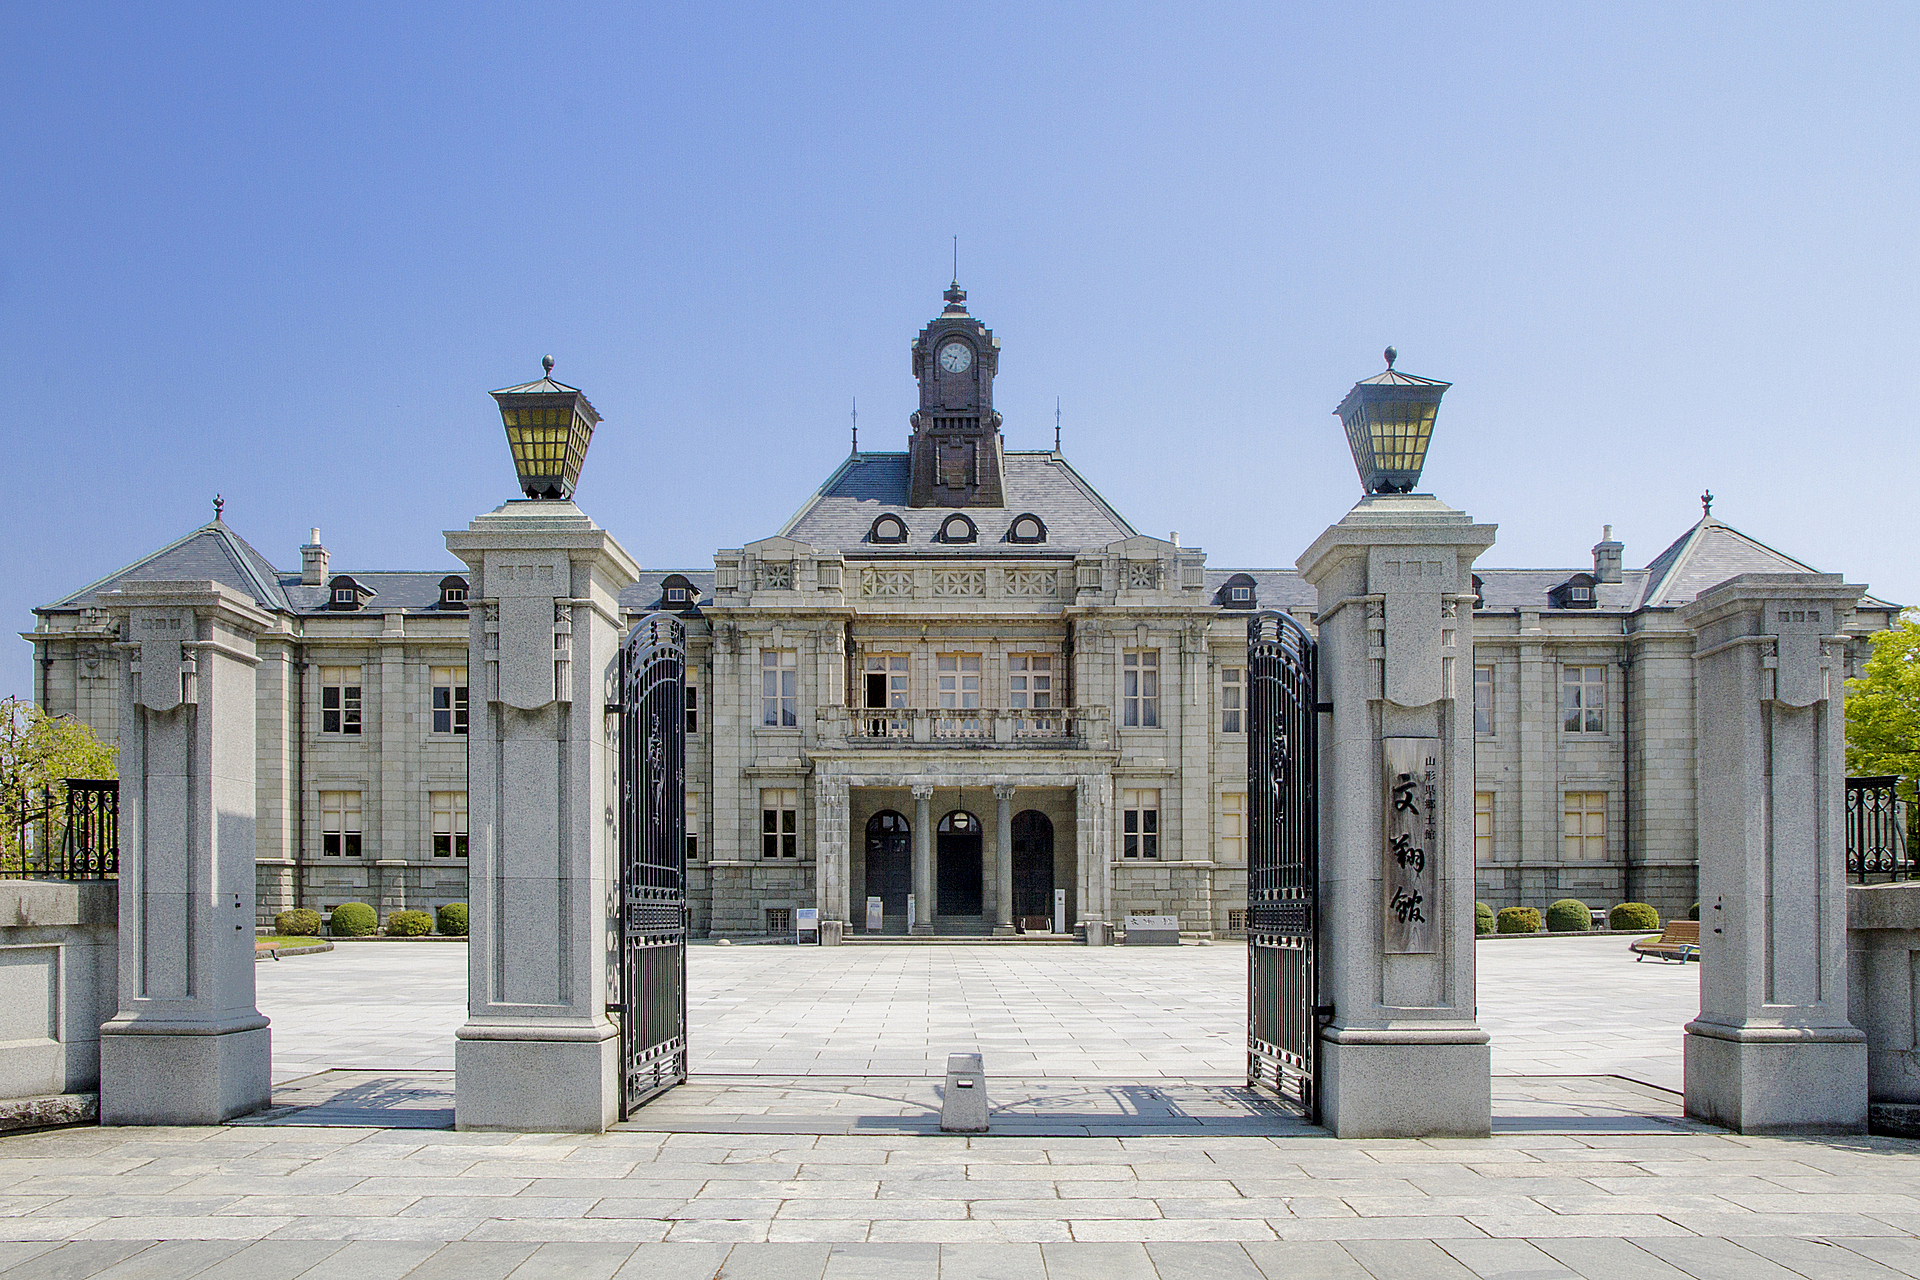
pixel 313 561
pixel 1606 556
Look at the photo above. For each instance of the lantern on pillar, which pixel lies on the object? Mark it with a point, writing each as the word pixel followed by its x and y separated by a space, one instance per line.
pixel 1389 422
pixel 549 426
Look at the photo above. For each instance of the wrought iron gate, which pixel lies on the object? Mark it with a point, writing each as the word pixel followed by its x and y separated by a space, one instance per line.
pixel 1876 830
pixel 653 858
pixel 1282 857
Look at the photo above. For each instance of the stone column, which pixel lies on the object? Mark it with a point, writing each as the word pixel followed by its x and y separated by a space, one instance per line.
pixel 833 852
pixel 1772 1050
pixel 187 1045
pixel 923 859
pixel 1403 1057
pixel 1003 859
pixel 537 1053
pixel 1093 839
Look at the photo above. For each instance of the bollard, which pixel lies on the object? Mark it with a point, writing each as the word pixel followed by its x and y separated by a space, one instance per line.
pixel 964 1107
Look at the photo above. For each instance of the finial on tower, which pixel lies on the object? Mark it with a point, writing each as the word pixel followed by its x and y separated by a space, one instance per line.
pixel 1392 355
pixel 546 365
pixel 219 506
pixel 1056 424
pixel 1706 504
pixel 856 424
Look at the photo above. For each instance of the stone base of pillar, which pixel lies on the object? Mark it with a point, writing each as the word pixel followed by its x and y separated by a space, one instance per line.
pixel 921 929
pixel 150 1078
pixel 830 931
pixel 567 1081
pixel 1004 931
pixel 1777 1079
pixel 1406 1084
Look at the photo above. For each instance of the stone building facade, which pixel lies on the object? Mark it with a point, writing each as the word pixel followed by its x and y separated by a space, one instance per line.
pixel 956 682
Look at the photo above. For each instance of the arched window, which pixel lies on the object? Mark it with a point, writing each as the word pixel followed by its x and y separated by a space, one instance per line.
pixel 1027 528
pixel 888 528
pixel 957 528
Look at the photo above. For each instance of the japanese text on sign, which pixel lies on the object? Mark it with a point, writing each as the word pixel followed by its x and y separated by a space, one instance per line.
pixel 1412 826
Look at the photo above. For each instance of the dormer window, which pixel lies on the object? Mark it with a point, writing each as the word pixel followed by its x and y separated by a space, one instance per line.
pixel 677 591
pixel 1027 528
pixel 1479 593
pixel 345 595
pixel 1240 592
pixel 676 595
pixel 1579 595
pixel 453 593
pixel 1241 595
pixel 1575 593
pixel 957 528
pixel 888 529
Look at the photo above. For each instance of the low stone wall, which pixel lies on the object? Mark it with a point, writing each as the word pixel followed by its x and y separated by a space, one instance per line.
pixel 1883 982
pixel 59 979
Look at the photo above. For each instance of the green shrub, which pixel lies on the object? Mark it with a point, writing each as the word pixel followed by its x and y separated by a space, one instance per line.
pixel 1694 913
pixel 451 920
pixel 298 923
pixel 1482 919
pixel 1517 920
pixel 1569 915
pixel 353 920
pixel 409 924
pixel 1633 915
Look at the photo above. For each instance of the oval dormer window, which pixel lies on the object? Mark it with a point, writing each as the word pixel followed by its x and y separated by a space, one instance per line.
pixel 957 528
pixel 453 592
pixel 888 529
pixel 1027 528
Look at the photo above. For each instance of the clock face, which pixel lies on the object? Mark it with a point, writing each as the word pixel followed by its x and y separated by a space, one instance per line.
pixel 955 357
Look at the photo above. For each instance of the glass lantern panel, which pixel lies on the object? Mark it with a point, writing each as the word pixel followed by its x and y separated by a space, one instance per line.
pixel 1400 434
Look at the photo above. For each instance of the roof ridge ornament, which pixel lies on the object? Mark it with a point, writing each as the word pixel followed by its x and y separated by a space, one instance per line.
pixel 219 507
pixel 546 365
pixel 1706 504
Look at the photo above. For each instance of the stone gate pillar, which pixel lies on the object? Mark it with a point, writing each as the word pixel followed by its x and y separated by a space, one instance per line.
pixel 923 858
pixel 1403 1056
pixel 187 1045
pixel 537 1053
pixel 1772 1050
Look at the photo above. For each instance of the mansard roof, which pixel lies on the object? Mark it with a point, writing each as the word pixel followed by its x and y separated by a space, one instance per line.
pixel 867 485
pixel 211 552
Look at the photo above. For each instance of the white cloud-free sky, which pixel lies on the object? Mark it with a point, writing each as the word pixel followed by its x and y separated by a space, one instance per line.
pixel 282 253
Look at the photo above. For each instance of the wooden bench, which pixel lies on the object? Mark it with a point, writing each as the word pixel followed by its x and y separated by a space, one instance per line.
pixel 1681 942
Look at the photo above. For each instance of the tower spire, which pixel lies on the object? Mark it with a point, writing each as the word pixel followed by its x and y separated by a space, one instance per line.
pixel 1056 424
pixel 856 424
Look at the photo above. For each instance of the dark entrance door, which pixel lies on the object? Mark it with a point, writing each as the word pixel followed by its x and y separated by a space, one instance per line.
pixel 890 861
pixel 958 865
pixel 653 858
pixel 1032 864
pixel 1282 858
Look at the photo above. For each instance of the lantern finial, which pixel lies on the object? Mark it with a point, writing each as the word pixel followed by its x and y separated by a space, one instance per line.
pixel 546 365
pixel 1392 355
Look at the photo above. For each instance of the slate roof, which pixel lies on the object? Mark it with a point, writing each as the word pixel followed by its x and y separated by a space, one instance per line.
pixel 211 552
pixel 1509 590
pixel 649 593
pixel 867 485
pixel 415 591
pixel 1707 555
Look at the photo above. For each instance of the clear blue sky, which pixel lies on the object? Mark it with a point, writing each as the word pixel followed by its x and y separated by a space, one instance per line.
pixel 282 252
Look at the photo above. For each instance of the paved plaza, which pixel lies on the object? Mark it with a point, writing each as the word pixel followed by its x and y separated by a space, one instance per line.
pixel 1592 1171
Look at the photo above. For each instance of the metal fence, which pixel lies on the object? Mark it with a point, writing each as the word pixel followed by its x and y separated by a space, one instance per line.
pixel 75 840
pixel 1877 831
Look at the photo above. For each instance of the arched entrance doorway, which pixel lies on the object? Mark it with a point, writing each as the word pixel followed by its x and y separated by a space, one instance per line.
pixel 957 865
pixel 1032 865
pixel 890 861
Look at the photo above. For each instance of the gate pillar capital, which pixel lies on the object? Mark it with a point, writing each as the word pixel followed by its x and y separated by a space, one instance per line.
pixel 538 1053
pixel 1402 1055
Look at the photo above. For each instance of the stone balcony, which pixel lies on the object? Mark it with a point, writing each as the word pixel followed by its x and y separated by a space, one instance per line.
pixel 1065 728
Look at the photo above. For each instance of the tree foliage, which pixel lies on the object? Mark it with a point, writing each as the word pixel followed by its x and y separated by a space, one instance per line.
pixel 38 753
pixel 1883 707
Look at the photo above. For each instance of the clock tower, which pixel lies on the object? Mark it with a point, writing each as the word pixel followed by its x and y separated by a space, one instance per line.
pixel 956 434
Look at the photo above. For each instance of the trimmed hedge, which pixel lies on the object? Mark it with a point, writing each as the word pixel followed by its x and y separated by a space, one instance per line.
pixel 1482 919
pixel 1569 915
pixel 297 923
pixel 353 920
pixel 1633 915
pixel 1517 920
pixel 451 920
pixel 409 924
pixel 1694 913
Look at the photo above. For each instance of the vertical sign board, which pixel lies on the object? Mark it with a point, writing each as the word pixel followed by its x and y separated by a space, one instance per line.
pixel 1410 855
pixel 876 914
pixel 1059 910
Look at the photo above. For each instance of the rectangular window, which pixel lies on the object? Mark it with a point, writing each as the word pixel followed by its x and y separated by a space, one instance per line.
pixel 1233 826
pixel 779 919
pixel 1140 824
pixel 1482 828
pixel 1232 699
pixel 693 705
pixel 1030 681
pixel 693 826
pixel 1583 699
pixel 449 699
pixel 959 675
pixel 886 687
pixel 449 823
pixel 340 824
pixel 1483 700
pixel 1140 688
pixel 1586 826
pixel 779 823
pixel 340 700
pixel 779 688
